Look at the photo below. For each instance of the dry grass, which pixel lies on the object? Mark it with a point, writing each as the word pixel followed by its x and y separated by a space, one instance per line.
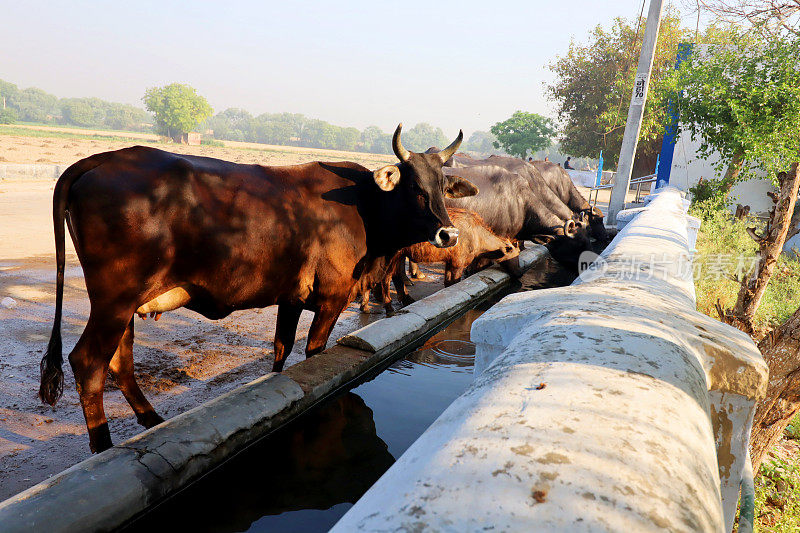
pixel 27 144
pixel 724 250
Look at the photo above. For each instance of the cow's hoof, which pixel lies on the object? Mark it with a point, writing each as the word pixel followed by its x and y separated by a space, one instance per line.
pixel 364 308
pixel 418 275
pixel 100 438
pixel 149 419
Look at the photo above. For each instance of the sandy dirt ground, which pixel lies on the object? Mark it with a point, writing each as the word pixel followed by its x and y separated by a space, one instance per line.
pixel 181 361
pixel 22 149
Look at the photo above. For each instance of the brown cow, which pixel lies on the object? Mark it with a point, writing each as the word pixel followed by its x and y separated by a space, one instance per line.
pixel 476 243
pixel 155 231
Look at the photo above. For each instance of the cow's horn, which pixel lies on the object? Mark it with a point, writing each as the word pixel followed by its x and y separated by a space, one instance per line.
pixel 448 152
pixel 401 153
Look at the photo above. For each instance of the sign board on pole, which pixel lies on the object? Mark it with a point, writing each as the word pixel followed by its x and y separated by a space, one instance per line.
pixel 639 89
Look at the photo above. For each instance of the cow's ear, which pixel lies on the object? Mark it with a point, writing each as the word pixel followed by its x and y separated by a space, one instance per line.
pixel 458 187
pixel 387 177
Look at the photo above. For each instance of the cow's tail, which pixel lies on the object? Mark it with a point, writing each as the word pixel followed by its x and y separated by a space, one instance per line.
pixel 52 377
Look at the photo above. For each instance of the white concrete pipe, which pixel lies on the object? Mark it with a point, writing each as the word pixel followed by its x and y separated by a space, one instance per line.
pixel 610 405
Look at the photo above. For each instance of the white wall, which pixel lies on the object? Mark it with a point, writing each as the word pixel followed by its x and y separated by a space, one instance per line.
pixel 687 169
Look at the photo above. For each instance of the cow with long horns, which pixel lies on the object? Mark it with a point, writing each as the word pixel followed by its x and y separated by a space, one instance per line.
pixel 155 231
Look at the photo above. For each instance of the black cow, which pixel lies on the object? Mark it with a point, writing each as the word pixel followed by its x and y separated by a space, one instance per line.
pixel 535 181
pixel 559 181
pixel 155 231
pixel 563 198
pixel 512 208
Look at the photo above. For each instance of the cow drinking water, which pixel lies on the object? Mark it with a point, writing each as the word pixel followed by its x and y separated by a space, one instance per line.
pixel 477 246
pixel 155 231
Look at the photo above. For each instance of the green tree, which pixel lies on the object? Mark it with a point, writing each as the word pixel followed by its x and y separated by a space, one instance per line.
pixel 347 138
pixel 296 121
pixel 481 142
pixel 271 131
pixel 524 132
pixel 424 136
pixel 125 117
pixel 318 134
pixel 743 103
pixel 178 109
pixel 7 116
pixel 234 124
pixel 81 112
pixel 593 87
pixel 373 140
pixel 7 93
pixel 34 105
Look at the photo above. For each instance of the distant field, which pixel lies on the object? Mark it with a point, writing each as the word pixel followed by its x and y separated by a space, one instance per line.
pixel 55 144
pixel 73 127
pixel 68 133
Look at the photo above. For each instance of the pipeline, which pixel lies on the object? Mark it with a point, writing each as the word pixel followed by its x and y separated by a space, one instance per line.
pixel 747 503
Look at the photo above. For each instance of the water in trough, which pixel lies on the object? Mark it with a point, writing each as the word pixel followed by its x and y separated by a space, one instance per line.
pixel 305 476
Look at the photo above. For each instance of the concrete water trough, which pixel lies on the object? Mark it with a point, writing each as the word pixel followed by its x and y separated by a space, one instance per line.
pixel 609 405
pixel 112 488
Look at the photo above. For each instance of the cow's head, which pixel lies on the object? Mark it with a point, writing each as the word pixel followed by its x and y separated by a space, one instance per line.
pixel 594 217
pixel 421 186
pixel 567 246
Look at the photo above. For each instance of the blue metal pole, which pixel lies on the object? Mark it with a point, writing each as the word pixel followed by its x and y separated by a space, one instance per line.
pixel 599 179
pixel 664 165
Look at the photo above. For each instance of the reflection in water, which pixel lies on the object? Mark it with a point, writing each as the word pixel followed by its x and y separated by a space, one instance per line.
pixel 331 456
pixel 306 476
pixel 548 273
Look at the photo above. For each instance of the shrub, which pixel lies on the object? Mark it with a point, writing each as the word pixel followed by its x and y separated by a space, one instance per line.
pixel 792 431
pixel 778 495
pixel 711 193
pixel 212 142
pixel 8 116
pixel 725 249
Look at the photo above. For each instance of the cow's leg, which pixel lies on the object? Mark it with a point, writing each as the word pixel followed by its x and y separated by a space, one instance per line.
pixel 89 360
pixel 364 306
pixel 453 274
pixel 322 325
pixel 402 269
pixel 121 367
pixel 477 265
pixel 285 331
pixel 400 288
pixel 413 269
pixel 448 276
pixel 385 295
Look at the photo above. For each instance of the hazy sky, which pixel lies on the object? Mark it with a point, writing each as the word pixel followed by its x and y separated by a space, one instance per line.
pixel 454 64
